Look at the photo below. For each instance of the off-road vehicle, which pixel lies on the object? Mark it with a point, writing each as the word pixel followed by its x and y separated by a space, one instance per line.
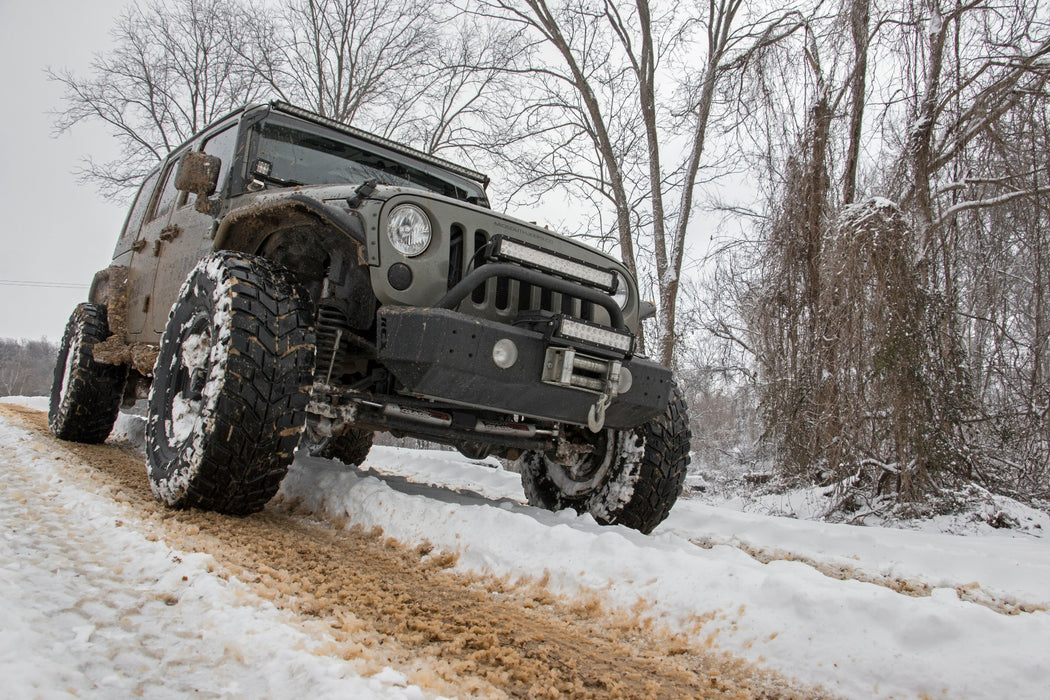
pixel 283 278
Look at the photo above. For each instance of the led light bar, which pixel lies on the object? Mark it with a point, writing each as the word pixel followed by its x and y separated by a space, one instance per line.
pixel 574 329
pixel 509 249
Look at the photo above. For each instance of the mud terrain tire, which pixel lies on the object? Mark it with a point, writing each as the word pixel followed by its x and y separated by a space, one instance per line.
pixel 85 395
pixel 350 448
pixel 633 478
pixel 231 385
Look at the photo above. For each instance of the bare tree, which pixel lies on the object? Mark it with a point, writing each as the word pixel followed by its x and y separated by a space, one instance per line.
pixel 947 118
pixel 897 340
pixel 577 116
pixel 859 21
pixel 450 104
pixel 613 89
pixel 978 76
pixel 409 71
pixel 26 366
pixel 344 59
pixel 175 66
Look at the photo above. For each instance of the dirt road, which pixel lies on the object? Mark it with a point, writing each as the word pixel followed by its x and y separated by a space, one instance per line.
pixel 391 604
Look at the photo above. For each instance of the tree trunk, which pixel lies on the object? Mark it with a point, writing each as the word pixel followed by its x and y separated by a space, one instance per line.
pixel 858 16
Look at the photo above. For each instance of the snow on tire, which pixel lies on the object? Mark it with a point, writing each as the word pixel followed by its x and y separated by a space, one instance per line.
pixel 231 385
pixel 651 471
pixel 85 395
pixel 630 477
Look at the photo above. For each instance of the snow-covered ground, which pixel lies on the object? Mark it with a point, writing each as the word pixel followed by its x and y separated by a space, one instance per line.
pixel 863 611
pixel 88 610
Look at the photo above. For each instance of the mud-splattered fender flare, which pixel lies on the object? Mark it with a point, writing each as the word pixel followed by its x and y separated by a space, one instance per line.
pixel 246 229
pixel 109 288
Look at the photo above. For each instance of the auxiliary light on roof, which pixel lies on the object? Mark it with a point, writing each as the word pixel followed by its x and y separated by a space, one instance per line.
pixel 510 249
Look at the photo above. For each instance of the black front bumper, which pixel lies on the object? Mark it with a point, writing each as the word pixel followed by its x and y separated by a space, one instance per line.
pixel 447 356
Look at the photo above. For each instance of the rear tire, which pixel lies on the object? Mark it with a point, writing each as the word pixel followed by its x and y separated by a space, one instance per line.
pixel 351 448
pixel 630 477
pixel 233 379
pixel 85 395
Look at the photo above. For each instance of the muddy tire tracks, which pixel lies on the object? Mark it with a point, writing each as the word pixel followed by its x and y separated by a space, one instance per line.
pixel 913 587
pixel 380 601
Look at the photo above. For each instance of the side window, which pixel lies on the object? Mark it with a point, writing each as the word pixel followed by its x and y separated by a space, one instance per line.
pixel 138 209
pixel 168 193
pixel 222 146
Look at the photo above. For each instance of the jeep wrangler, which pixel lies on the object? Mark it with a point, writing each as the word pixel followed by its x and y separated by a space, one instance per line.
pixel 285 279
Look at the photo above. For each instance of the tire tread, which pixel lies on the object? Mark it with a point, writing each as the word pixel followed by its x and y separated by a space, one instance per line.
pixel 88 409
pixel 262 402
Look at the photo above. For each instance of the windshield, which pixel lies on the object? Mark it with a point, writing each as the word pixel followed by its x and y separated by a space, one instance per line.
pixel 300 157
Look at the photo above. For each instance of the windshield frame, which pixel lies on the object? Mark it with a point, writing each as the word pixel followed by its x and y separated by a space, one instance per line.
pixel 387 166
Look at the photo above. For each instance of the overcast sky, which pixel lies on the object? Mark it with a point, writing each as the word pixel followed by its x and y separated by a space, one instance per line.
pixel 55 230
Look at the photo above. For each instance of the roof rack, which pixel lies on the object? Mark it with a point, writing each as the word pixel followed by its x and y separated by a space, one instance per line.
pixel 383 142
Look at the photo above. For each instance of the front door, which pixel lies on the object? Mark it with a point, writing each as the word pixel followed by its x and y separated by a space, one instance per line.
pixel 187 235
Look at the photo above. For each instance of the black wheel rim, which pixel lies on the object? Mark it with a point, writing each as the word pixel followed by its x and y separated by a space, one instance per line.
pixel 188 391
pixel 576 475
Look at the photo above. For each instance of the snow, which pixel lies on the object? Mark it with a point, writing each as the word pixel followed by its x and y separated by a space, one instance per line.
pixel 196 351
pixel 89 608
pixel 858 639
pixel 990 568
pixel 917 614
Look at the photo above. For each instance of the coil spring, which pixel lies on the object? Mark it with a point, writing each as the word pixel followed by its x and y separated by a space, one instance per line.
pixel 331 352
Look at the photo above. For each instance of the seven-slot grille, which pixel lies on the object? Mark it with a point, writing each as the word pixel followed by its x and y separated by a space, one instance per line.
pixel 504 297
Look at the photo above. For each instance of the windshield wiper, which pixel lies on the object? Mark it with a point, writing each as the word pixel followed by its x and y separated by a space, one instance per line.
pixel 273 180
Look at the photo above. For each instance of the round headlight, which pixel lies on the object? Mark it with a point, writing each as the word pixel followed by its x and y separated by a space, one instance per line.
pixel 408 229
pixel 623 291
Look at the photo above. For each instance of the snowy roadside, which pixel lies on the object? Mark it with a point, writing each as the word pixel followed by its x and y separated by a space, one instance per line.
pixel 855 638
pixel 1003 569
pixel 89 606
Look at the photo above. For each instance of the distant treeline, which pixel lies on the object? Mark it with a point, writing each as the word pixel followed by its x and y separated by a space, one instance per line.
pixel 26 367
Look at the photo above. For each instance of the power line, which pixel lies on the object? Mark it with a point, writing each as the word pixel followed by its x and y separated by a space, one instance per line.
pixel 53 285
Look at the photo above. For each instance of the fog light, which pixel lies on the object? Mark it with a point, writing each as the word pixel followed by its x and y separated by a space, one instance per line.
pixel 626 380
pixel 505 353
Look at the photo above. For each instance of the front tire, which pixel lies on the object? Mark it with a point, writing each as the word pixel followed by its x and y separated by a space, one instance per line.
pixel 85 395
pixel 231 385
pixel 630 477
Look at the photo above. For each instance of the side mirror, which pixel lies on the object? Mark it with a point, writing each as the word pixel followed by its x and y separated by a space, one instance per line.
pixel 198 173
